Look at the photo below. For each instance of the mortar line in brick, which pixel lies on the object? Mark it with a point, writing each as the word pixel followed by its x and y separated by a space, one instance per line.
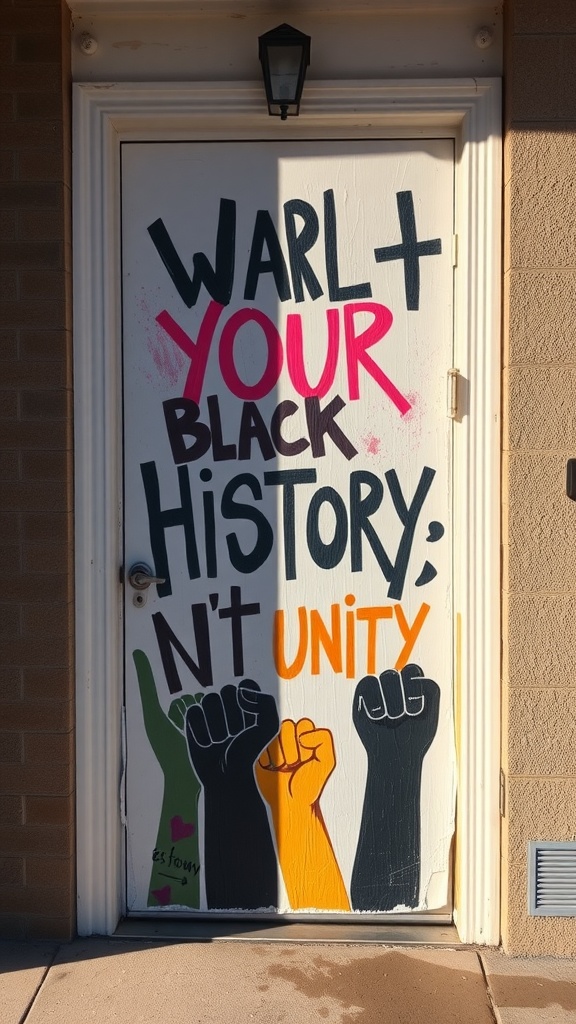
pixel 36 992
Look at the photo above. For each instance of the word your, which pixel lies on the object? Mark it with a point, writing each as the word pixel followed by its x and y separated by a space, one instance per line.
pixel 338 644
pixel 219 280
pixel 353 527
pixel 356 345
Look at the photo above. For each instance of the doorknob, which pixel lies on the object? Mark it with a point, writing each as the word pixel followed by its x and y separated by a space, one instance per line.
pixel 140 576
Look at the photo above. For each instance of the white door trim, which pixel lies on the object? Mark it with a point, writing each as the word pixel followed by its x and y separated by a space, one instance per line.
pixel 106 115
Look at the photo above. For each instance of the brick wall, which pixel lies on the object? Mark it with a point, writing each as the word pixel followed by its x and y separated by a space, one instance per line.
pixel 540 434
pixel 37 892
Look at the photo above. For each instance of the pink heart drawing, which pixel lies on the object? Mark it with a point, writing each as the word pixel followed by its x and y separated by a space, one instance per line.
pixel 164 895
pixel 180 829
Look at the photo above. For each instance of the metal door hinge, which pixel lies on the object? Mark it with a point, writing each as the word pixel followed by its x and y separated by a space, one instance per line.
pixel 453 376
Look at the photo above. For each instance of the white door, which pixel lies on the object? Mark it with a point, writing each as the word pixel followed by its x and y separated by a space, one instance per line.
pixel 287 330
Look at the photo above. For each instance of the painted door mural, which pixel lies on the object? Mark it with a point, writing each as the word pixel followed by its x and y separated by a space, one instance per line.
pixel 287 329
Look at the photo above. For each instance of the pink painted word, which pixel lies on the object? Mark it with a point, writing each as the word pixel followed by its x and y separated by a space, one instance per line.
pixel 357 344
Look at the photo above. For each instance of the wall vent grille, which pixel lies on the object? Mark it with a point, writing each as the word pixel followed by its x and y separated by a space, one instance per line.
pixel 552 879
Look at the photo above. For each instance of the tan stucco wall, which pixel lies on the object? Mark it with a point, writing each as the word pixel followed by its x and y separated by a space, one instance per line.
pixel 539 401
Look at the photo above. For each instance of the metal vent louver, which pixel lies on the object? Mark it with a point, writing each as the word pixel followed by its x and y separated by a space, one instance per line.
pixel 552 879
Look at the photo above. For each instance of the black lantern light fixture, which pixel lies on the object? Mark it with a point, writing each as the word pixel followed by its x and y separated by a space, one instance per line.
pixel 284 53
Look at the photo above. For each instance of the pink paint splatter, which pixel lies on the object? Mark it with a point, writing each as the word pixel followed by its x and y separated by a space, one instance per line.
pixel 168 359
pixel 415 420
pixel 371 444
pixel 413 411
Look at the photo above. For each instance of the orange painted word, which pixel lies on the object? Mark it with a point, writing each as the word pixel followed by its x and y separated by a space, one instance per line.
pixel 339 640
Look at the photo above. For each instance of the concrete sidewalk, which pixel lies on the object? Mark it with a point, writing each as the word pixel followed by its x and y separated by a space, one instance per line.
pixel 111 981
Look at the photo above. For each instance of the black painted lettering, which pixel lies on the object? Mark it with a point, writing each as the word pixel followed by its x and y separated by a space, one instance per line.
pixel 236 612
pixel 322 421
pixel 219 280
pixel 160 520
pixel 252 426
pixel 168 642
pixel 361 509
pixel 265 233
pixel 210 534
pixel 299 245
pixel 182 421
pixel 337 292
pixel 284 447
pixel 327 555
pixel 232 509
pixel 408 517
pixel 220 452
pixel 288 479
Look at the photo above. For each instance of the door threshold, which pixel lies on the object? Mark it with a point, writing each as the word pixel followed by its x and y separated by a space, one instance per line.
pixel 269 931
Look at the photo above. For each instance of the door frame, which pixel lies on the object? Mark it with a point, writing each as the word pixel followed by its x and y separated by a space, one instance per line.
pixel 105 115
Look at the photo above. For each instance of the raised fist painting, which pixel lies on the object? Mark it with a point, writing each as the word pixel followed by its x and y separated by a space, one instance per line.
pixel 292 773
pixel 226 733
pixel 396 716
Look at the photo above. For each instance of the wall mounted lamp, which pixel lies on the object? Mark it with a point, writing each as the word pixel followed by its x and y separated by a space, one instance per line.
pixel 284 53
